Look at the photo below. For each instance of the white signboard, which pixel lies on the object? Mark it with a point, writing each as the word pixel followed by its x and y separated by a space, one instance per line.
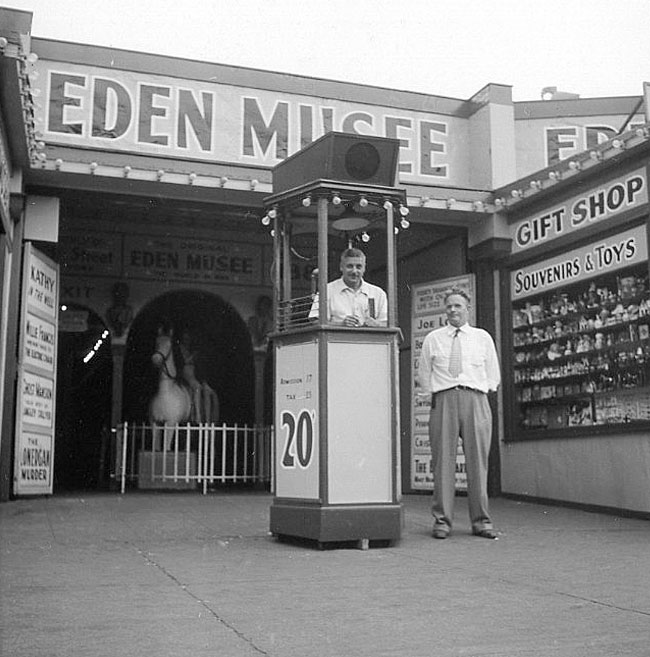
pixel 581 211
pixel 162 116
pixel 428 313
pixel 34 463
pixel 36 390
pixel 296 421
pixel 36 400
pixel 604 255
pixel 42 283
pixel 39 343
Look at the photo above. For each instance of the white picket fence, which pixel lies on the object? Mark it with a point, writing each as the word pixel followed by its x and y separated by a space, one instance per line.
pixel 192 457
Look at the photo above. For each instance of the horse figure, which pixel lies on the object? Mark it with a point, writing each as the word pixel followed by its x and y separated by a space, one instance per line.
pixel 205 402
pixel 172 403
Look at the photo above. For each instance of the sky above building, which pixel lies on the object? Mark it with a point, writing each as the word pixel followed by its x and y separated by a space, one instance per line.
pixel 593 48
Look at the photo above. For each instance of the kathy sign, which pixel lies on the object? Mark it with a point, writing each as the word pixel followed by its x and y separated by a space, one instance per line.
pixel 602 256
pixel 91 107
pixel 605 201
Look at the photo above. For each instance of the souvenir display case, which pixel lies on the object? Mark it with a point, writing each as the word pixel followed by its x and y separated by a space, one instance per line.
pixel 582 353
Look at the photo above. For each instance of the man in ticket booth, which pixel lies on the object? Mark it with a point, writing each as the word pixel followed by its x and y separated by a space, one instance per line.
pixel 352 301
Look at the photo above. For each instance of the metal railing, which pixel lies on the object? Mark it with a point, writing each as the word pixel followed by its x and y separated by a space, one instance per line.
pixel 191 456
pixel 294 313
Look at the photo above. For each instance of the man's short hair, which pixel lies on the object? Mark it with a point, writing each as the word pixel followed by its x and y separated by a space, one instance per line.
pixel 459 292
pixel 353 253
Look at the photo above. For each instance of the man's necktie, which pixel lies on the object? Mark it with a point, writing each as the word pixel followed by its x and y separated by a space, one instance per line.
pixel 455 366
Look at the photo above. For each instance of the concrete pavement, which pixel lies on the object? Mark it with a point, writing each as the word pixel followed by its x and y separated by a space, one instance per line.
pixel 175 574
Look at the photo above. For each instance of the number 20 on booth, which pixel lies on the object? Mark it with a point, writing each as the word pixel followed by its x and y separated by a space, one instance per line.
pixel 298 447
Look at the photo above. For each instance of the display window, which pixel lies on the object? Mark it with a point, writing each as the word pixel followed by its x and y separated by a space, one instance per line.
pixel 581 339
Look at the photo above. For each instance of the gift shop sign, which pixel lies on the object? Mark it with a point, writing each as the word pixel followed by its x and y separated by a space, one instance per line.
pixel 108 109
pixel 602 256
pixel 616 196
pixel 36 387
pixel 428 313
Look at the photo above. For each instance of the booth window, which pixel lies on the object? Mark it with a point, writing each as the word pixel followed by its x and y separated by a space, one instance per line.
pixel 582 355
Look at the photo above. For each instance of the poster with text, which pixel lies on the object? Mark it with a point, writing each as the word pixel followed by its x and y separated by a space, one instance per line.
pixel 427 314
pixel 36 376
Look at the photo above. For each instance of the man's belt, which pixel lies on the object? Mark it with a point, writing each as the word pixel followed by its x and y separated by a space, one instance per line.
pixel 463 388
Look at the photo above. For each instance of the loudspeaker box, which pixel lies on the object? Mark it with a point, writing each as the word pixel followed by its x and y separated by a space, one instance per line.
pixel 343 157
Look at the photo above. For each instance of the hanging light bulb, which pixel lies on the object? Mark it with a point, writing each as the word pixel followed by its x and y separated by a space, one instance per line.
pixel 365 237
pixel 405 223
pixel 306 202
pixel 336 199
pixel 266 220
pixel 272 213
pixel 403 210
pixel 396 230
pixel 363 202
pixel 272 232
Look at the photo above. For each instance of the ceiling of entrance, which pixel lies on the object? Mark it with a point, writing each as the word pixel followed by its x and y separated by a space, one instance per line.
pixel 148 211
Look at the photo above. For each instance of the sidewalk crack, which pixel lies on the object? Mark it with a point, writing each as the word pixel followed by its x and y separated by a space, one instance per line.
pixel 604 604
pixel 203 603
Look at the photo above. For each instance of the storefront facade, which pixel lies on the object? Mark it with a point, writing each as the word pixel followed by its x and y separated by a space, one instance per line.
pixel 153 171
pixel 576 318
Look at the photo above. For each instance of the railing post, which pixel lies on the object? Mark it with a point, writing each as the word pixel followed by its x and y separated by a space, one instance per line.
pixel 125 434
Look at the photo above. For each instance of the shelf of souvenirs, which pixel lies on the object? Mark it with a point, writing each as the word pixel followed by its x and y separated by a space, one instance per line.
pixel 587 318
pixel 637 326
pixel 625 298
pixel 599 408
pixel 567 391
pixel 555 363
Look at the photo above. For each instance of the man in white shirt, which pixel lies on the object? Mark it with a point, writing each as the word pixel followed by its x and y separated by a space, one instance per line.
pixel 458 366
pixel 352 301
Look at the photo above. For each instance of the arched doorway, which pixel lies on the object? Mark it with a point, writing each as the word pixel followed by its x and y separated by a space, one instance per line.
pixel 224 354
pixel 84 388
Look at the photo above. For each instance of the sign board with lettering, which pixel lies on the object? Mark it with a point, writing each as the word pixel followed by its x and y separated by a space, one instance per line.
pixel 162 116
pixel 603 202
pixel 36 394
pixel 599 257
pixel 427 314
pixel 296 412
pixel 161 258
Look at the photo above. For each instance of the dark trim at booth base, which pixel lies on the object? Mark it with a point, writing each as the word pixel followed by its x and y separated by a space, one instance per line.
pixel 361 524
pixel 589 508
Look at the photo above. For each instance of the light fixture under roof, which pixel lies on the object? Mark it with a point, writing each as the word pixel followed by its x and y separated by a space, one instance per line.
pixel 349 220
pixel 349 223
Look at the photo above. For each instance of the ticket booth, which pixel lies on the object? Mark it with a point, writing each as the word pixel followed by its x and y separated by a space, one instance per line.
pixel 336 388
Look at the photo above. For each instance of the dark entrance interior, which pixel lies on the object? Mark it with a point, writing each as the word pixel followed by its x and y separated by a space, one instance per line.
pixel 224 354
pixel 84 387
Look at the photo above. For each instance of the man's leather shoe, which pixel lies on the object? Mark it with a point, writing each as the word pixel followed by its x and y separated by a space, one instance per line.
pixel 439 533
pixel 485 533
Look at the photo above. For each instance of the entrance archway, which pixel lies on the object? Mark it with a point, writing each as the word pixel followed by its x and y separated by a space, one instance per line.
pixel 222 342
pixel 84 390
